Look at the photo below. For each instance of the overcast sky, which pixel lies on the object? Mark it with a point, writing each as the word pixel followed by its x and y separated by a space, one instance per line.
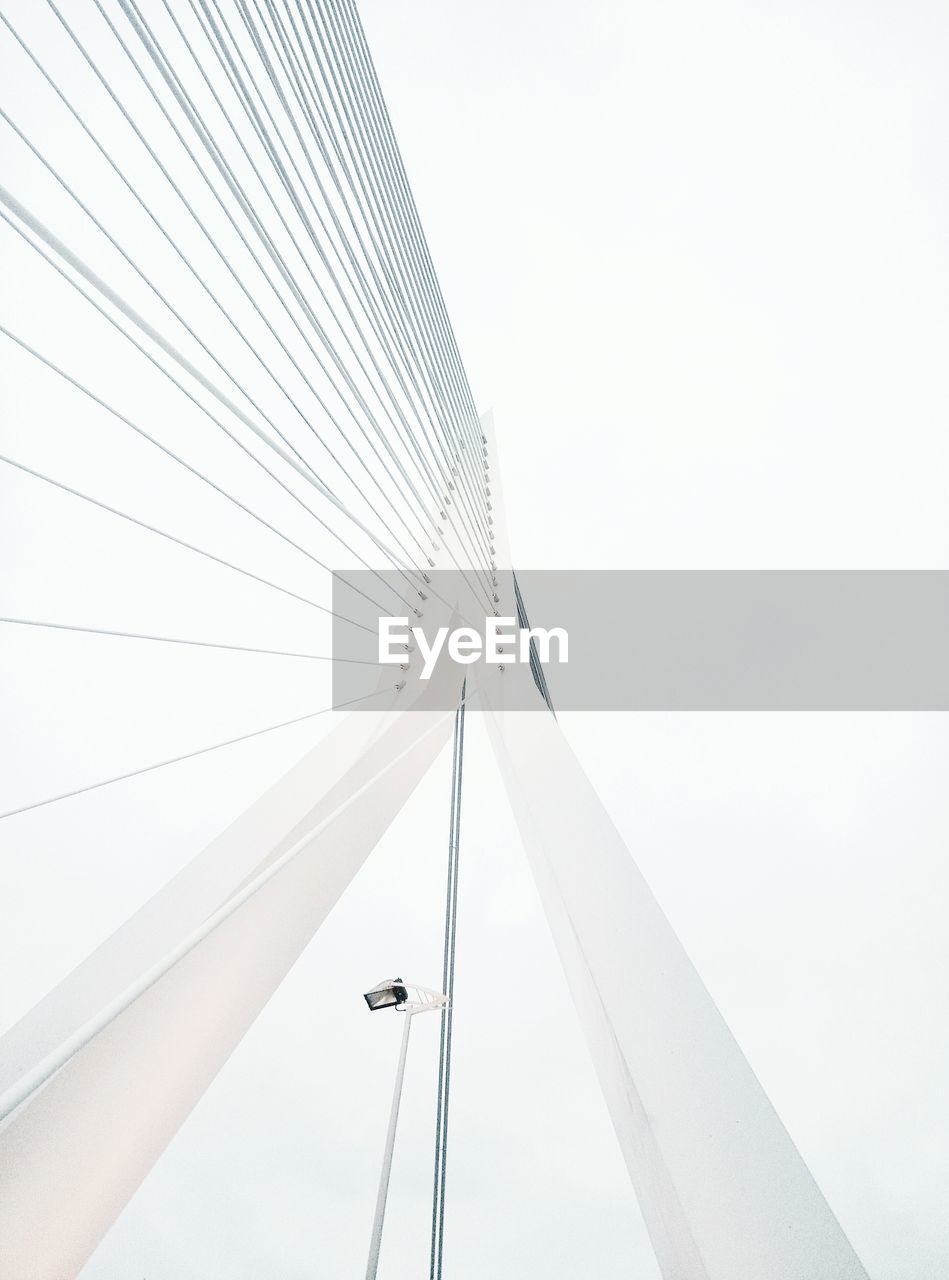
pixel 695 258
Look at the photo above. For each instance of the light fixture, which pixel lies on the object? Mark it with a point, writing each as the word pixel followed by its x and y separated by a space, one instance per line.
pixel 387 995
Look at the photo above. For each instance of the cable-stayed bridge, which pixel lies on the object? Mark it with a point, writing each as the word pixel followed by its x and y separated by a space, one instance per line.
pixel 217 185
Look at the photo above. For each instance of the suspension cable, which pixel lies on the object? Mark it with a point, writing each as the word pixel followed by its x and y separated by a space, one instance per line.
pixel 299 466
pixel 217 44
pixel 184 100
pixel 180 542
pixel 359 128
pixel 377 114
pixel 441 499
pixel 403 310
pixel 38 248
pixel 189 755
pixel 394 152
pixel 478 558
pixel 202 644
pixel 178 459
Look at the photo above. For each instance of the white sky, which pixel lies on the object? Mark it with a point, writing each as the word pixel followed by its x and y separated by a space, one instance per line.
pixel 695 259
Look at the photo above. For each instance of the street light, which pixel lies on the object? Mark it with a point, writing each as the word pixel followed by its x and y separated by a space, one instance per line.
pixel 387 995
pixel 407 999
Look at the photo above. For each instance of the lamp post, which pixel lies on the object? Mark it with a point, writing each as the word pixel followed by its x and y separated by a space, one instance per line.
pixel 410 1000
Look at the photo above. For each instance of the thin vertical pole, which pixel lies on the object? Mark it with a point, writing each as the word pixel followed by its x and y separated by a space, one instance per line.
pixel 376 1241
pixel 448 985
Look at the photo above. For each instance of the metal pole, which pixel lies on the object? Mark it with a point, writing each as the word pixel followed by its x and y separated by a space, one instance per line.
pixel 448 982
pixel 376 1241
